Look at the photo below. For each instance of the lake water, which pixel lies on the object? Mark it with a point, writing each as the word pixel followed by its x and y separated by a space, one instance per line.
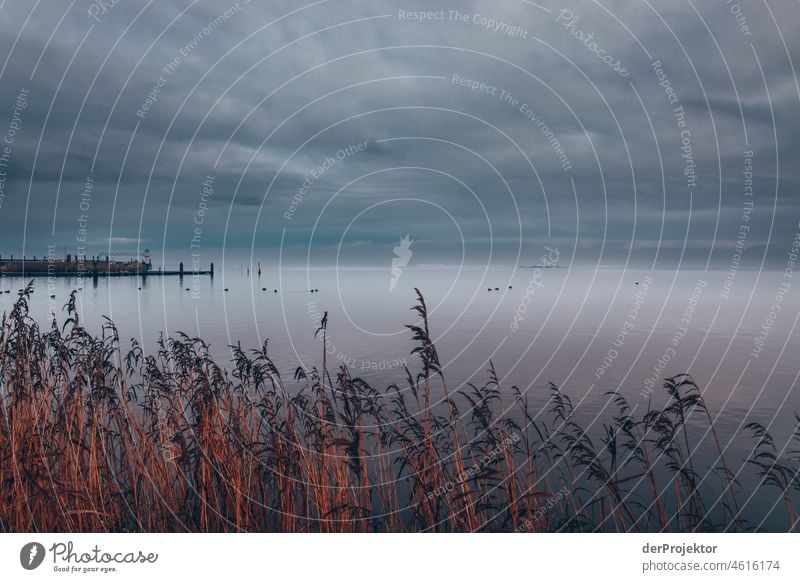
pixel 587 330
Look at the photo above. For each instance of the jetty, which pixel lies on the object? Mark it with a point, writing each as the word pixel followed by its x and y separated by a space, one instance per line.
pixel 95 266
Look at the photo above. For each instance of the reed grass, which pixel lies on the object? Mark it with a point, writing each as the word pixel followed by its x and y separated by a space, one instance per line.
pixel 94 437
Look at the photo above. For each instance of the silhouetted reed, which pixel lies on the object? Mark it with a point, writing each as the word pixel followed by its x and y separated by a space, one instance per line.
pixel 97 438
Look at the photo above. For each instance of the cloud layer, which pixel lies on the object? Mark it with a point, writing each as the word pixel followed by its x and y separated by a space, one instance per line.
pixel 616 131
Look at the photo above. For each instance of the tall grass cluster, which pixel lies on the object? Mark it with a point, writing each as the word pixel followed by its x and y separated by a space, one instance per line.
pixel 97 437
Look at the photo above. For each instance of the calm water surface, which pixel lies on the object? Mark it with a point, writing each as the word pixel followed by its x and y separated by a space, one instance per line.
pixel 586 330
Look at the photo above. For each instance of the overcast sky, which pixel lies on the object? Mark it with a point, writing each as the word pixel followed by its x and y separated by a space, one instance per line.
pixel 488 130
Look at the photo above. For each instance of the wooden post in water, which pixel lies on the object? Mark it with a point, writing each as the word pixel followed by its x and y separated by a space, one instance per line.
pixel 212 270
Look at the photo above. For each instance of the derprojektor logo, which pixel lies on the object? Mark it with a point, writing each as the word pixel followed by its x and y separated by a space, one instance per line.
pixel 32 555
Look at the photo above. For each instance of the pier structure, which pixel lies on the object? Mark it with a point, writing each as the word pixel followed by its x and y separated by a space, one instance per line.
pixel 85 266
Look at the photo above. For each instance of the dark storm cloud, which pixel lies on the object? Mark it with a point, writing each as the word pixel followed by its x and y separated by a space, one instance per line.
pixel 271 99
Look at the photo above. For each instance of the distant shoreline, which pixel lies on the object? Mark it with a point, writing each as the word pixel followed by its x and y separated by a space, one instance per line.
pixel 542 267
